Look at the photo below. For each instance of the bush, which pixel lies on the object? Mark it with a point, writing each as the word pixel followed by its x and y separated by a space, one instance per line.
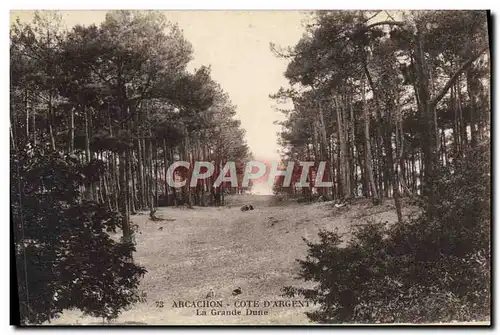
pixel 422 270
pixel 65 257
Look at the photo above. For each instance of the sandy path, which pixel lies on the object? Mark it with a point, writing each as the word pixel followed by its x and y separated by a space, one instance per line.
pixel 223 248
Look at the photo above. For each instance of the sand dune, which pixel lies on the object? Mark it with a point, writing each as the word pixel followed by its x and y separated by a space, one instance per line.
pixel 224 248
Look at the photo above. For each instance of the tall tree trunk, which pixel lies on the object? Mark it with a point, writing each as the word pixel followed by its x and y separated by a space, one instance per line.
pixel 392 173
pixel 427 110
pixel 150 173
pixel 88 190
pixel 365 187
pixel 115 173
pixel 443 146
pixel 461 121
pixel 474 114
pixel 143 167
pixel 108 193
pixel 27 110
pixel 324 140
pixel 352 154
pixel 165 162
pixel 344 168
pixel 125 210
pixel 156 174
pixel 132 179
pixel 51 126
pixel 33 116
pixel 380 165
pixel 368 149
pixel 174 190
pixel 93 186
pixel 12 139
pixel 71 131
pixel 140 172
pixel 454 128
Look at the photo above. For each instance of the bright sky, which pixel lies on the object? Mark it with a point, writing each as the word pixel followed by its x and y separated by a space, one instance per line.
pixel 236 45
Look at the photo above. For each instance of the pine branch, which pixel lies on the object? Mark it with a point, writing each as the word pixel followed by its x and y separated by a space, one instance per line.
pixel 455 76
pixel 381 23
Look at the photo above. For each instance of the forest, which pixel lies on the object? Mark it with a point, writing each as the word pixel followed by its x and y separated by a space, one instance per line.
pixel 397 104
pixel 107 109
pixel 385 101
pixel 119 99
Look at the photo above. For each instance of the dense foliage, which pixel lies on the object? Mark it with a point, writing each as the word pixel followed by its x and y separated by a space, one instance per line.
pixel 398 104
pixel 65 255
pixel 120 95
pixel 385 98
pixel 419 271
pixel 97 115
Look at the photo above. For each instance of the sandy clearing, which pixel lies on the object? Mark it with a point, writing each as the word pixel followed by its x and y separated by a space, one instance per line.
pixel 224 248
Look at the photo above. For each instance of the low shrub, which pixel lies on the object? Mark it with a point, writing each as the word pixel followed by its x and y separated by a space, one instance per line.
pixel 425 269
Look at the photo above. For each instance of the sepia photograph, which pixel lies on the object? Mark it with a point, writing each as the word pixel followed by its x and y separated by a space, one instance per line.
pixel 250 167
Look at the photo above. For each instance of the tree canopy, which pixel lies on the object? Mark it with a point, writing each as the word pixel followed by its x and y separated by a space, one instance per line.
pixel 105 110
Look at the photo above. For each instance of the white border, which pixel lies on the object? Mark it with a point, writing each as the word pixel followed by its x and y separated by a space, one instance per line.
pixel 256 4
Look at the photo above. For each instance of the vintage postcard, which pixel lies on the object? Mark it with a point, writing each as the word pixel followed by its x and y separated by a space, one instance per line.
pixel 326 167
